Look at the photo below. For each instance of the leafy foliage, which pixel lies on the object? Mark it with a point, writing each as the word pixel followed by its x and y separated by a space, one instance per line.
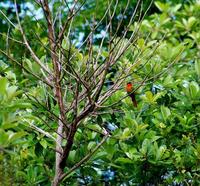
pixel 155 143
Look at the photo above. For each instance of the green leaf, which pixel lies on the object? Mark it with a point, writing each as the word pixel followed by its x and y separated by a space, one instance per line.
pixel 72 155
pixel 8 125
pixel 197 67
pixel 158 95
pixel 176 7
pixel 126 134
pixel 132 153
pixel 21 105
pixel 99 155
pixel 145 146
pixel 123 160
pixel 194 89
pixel 161 6
pixel 165 112
pixel 94 127
pixel 154 138
pixel 11 92
pixel 91 145
pixel 161 152
pixel 15 136
pixel 3 85
pixel 3 138
pixel 191 21
pixel 43 142
pixel 141 43
pixel 148 97
pixel 79 56
pixel 65 43
pixel 29 63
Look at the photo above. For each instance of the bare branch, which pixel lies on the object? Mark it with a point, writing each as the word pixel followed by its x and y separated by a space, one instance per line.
pixel 37 60
pixel 8 19
pixel 55 60
pixel 86 158
pixel 72 14
pixel 46 81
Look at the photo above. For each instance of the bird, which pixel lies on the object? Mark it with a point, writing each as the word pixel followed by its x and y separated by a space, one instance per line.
pixel 129 90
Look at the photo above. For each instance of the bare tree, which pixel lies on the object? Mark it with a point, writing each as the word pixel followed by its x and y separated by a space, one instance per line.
pixel 79 87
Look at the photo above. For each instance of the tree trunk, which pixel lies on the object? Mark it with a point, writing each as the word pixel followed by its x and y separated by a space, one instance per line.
pixel 57 180
pixel 58 171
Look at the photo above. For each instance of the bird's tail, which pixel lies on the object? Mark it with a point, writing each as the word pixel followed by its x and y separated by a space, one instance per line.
pixel 133 99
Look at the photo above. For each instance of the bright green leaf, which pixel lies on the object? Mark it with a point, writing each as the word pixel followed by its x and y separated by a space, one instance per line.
pixel 43 142
pixel 3 85
pixel 194 89
pixel 165 112
pixel 197 67
pixel 91 145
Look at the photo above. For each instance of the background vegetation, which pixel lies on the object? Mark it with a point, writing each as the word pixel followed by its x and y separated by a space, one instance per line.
pixel 156 143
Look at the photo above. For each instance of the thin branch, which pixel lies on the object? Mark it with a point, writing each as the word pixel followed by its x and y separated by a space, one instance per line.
pixel 37 60
pixel 41 131
pixel 8 19
pixel 141 84
pixel 28 71
pixel 85 159
pixel 60 36
pixel 55 60
pixel 98 24
pixel 12 39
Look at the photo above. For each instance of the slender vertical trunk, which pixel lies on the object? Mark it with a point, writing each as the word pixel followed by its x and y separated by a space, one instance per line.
pixel 57 89
pixel 58 171
pixel 56 181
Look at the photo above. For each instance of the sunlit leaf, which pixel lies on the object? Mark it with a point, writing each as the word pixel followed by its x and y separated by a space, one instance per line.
pixel 3 85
